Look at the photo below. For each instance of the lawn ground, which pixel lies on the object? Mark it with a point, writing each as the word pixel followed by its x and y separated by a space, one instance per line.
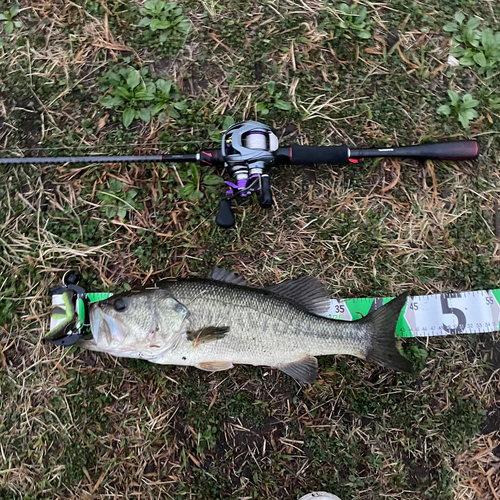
pixel 81 425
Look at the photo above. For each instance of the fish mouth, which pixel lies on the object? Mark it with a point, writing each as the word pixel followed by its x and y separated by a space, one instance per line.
pixel 104 327
pixel 95 320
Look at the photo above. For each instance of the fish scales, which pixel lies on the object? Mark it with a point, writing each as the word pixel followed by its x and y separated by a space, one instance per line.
pixel 265 322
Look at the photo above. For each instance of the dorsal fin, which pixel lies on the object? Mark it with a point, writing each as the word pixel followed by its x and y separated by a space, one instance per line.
pixel 307 292
pixel 220 274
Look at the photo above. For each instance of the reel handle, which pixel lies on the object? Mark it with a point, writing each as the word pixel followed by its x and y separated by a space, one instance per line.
pixel 266 196
pixel 225 217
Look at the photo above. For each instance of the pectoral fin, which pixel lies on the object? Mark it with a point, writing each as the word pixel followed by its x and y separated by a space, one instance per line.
pixel 304 370
pixel 214 366
pixel 208 334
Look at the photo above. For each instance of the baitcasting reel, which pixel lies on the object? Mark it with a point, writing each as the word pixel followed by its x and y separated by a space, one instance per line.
pixel 247 149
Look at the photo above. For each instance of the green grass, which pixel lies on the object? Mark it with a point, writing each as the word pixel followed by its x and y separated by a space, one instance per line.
pixel 82 425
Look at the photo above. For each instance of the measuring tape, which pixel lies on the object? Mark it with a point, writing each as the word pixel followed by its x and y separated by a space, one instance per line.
pixel 431 315
pixel 422 316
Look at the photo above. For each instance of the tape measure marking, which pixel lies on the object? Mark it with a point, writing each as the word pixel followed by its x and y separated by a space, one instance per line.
pixel 432 315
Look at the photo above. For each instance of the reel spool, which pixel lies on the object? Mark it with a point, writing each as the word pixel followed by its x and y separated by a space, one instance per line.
pixel 247 149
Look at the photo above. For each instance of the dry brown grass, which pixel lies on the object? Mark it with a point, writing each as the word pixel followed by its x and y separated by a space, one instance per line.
pixel 480 470
pixel 85 425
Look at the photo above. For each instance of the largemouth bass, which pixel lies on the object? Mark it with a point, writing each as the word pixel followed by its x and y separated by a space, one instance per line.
pixel 220 321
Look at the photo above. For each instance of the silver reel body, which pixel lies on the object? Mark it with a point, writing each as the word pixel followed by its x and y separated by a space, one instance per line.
pixel 248 148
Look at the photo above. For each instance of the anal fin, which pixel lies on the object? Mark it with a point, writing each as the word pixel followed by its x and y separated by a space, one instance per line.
pixel 208 334
pixel 303 370
pixel 214 366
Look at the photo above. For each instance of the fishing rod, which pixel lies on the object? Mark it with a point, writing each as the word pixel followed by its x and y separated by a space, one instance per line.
pixel 250 148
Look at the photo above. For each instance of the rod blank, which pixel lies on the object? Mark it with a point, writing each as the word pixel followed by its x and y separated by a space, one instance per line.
pixel 98 159
pixel 295 155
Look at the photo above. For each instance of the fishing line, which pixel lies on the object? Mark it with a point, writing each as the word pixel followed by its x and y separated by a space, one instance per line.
pixel 158 145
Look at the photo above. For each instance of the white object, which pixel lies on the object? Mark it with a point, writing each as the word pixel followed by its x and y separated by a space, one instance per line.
pixel 432 315
pixel 256 140
pixel 319 495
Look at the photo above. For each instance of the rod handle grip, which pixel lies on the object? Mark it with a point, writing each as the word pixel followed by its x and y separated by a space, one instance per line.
pixel 311 155
pixel 456 150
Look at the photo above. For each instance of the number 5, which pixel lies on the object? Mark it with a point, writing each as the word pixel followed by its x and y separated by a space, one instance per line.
pixel 459 314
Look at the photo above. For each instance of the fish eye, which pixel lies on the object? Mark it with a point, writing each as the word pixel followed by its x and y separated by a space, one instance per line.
pixel 120 305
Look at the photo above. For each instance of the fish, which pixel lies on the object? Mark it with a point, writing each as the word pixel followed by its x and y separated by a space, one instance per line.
pixel 216 322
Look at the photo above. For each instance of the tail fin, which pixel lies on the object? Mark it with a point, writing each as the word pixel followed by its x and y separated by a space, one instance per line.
pixel 383 350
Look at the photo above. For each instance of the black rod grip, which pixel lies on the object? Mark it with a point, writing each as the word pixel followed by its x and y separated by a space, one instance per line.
pixel 456 150
pixel 310 155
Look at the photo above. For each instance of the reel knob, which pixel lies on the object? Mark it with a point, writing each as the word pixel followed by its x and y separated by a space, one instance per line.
pixel 266 196
pixel 225 217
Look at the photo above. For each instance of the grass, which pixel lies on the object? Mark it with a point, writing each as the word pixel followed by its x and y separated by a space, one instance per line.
pixel 85 425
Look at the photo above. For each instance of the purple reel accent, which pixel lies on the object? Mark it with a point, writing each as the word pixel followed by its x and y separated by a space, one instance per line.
pixel 240 186
pixel 231 185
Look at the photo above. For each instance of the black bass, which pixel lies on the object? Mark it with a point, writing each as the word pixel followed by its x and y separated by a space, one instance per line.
pixel 220 321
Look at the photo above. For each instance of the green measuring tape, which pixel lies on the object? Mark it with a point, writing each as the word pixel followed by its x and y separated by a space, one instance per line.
pixel 431 315
pixel 422 316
